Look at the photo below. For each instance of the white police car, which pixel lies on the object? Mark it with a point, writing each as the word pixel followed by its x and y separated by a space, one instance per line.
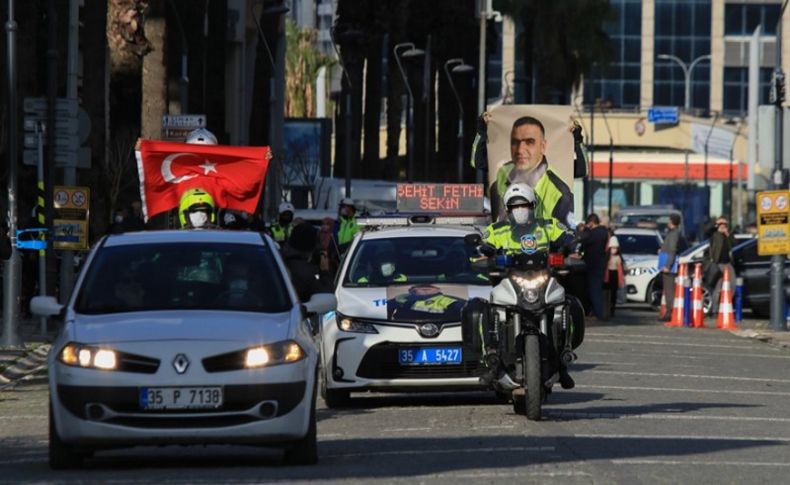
pixel 400 291
pixel 182 337
pixel 639 248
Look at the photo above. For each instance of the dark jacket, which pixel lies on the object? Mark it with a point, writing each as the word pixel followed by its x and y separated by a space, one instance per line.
pixel 305 275
pixel 671 246
pixel 593 243
pixel 720 251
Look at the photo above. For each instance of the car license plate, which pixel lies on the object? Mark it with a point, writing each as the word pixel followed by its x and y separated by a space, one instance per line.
pixel 430 356
pixel 181 397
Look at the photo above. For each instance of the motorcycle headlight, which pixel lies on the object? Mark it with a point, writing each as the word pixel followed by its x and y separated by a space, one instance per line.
pixel 531 295
pixel 348 324
pixel 86 356
pixel 531 280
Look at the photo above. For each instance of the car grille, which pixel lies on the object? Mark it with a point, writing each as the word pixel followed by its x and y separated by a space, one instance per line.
pixel 137 363
pixel 381 362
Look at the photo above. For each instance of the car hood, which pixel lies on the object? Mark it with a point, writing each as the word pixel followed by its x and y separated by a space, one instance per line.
pixel 392 303
pixel 632 260
pixel 182 325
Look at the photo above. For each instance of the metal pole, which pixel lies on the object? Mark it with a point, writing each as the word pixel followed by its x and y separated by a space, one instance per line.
pixel 705 164
pixel 410 138
pixel 590 197
pixel 42 254
pixel 777 309
pixel 481 65
pixel 611 174
pixel 13 267
pixel 347 140
pixel 460 167
pixel 687 94
pixel 52 92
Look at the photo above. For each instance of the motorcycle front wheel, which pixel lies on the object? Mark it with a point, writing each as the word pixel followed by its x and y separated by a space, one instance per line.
pixel 532 382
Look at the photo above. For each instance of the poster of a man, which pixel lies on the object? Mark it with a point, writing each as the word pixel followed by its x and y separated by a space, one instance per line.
pixel 533 145
pixel 426 302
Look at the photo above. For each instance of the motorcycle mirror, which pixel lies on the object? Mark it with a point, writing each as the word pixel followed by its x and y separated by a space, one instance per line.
pixel 473 239
pixel 487 250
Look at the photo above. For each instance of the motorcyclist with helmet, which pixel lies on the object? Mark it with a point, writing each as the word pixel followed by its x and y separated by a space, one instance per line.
pixel 520 233
pixel 196 210
pixel 281 230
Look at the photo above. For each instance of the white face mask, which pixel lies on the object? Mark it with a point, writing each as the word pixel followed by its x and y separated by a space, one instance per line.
pixel 198 219
pixel 521 215
pixel 387 269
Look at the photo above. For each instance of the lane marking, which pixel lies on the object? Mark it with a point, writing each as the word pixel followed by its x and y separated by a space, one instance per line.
pixel 665 337
pixel 531 473
pixel 679 344
pixel 627 461
pixel 696 356
pixel 24 416
pixel 405 430
pixel 673 389
pixel 510 426
pixel 682 437
pixel 440 451
pixel 662 416
pixel 691 376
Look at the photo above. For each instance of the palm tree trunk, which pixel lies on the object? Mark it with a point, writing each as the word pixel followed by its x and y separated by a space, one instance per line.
pixel 155 71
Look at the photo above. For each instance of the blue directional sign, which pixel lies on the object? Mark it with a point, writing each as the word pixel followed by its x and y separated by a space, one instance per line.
pixel 662 114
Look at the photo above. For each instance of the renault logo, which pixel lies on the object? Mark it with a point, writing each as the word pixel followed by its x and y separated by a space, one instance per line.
pixel 180 363
pixel 429 330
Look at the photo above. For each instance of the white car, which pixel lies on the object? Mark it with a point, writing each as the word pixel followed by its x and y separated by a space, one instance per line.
pixel 639 248
pixel 401 331
pixel 182 337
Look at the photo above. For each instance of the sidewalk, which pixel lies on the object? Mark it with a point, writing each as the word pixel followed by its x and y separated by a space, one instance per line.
pixel 762 330
pixel 28 362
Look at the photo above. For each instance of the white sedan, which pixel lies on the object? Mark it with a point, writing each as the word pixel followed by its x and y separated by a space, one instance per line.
pixel 639 248
pixel 182 337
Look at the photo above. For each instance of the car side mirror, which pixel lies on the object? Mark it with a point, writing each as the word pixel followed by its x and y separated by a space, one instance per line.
pixel 46 306
pixel 321 303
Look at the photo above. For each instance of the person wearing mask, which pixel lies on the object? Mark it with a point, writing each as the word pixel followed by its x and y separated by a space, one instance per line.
pixel 307 277
pixel 520 233
pixel 346 225
pixel 614 278
pixel 593 241
pixel 720 257
pixel 384 271
pixel 667 263
pixel 196 210
pixel 281 230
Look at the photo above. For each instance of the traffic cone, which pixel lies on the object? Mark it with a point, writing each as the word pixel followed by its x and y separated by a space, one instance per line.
pixel 726 316
pixel 697 315
pixel 677 306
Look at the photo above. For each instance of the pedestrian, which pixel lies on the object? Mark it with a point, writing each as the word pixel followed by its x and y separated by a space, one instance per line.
pixel 667 263
pixel 719 258
pixel 593 240
pixel 307 277
pixel 614 278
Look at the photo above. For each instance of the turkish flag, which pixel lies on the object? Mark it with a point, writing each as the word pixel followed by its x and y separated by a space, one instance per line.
pixel 233 175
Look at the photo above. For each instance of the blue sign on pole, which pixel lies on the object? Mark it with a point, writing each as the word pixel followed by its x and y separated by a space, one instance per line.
pixel 659 115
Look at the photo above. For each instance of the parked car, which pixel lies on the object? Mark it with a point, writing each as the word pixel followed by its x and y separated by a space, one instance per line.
pixel 183 337
pixel 639 248
pixel 647 217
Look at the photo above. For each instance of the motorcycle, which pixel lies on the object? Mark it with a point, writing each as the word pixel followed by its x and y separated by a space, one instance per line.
pixel 534 324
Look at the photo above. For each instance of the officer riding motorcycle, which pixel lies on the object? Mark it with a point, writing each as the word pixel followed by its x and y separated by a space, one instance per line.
pixel 526 334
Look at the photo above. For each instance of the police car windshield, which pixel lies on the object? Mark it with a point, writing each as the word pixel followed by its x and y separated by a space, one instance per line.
pixel 385 262
pixel 191 276
pixel 638 244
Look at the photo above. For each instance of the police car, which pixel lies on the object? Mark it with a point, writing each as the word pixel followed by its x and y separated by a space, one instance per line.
pixel 400 291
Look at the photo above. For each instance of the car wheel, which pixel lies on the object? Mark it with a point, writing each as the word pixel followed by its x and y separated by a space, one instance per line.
pixel 61 455
pixel 707 301
pixel 653 295
pixel 305 450
pixel 334 398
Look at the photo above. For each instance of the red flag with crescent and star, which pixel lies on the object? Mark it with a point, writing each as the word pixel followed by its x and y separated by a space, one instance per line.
pixel 233 175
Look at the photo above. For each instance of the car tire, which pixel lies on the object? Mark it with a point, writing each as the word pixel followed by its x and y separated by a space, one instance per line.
pixel 334 398
pixel 61 455
pixel 305 450
pixel 653 294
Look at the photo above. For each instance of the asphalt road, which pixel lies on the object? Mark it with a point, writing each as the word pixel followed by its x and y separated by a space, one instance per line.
pixel 651 405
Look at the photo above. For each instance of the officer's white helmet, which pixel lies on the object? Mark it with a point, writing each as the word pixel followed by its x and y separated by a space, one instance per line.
pixel 519 194
pixel 286 207
pixel 347 201
pixel 201 136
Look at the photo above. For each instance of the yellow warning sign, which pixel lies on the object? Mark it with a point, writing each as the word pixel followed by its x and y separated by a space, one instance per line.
pixel 773 222
pixel 72 209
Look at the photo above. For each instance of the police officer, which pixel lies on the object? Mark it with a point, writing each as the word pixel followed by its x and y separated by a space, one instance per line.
pixel 196 210
pixel 346 226
pixel 281 230
pixel 384 271
pixel 520 233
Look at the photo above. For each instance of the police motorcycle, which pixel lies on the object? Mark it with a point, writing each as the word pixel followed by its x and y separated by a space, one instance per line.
pixel 533 324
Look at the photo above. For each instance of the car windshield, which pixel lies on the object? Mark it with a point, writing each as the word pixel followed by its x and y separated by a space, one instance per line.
pixel 191 276
pixel 648 221
pixel 638 243
pixel 384 262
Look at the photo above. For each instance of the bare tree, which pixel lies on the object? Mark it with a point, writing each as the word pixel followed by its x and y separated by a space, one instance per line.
pixel 119 168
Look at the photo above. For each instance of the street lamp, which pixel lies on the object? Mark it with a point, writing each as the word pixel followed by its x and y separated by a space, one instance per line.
pixel 611 158
pixel 347 36
pixel 687 70
pixel 412 53
pixel 460 67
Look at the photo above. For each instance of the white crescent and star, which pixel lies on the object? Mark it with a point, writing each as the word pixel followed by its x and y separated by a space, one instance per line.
pixel 167 170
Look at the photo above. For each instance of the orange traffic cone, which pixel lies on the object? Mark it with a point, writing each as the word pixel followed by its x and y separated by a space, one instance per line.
pixel 697 315
pixel 677 306
pixel 726 320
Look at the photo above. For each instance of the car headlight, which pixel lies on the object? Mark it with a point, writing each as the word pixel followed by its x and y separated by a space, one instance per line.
pixel 637 271
pixel 348 324
pixel 79 355
pixel 278 353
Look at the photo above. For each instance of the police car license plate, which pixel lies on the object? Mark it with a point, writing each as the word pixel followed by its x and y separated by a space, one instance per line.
pixel 430 356
pixel 181 397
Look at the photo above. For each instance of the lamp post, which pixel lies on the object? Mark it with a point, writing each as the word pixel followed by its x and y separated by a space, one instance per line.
pixel 460 67
pixel 411 53
pixel 707 140
pixel 687 71
pixel 611 162
pixel 346 36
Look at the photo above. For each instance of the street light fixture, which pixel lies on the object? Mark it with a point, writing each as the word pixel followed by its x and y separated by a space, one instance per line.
pixel 687 70
pixel 460 67
pixel 411 53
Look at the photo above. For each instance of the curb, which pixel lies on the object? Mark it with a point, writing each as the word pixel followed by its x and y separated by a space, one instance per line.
pixel 29 367
pixel 763 336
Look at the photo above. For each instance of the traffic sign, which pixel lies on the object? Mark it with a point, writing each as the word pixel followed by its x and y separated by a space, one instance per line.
pixel 662 115
pixel 773 222
pixel 177 127
pixel 72 210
